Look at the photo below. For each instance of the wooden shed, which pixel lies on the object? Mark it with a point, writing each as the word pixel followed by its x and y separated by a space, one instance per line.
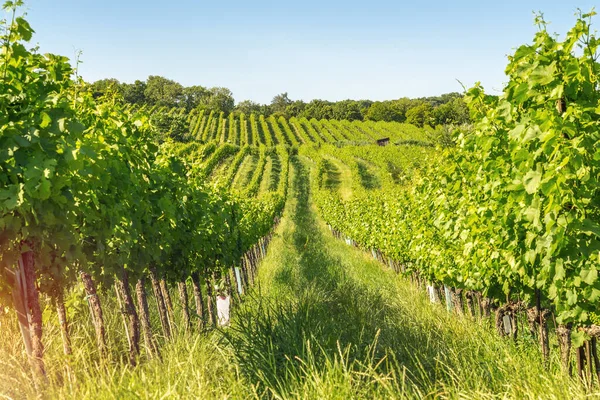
pixel 383 141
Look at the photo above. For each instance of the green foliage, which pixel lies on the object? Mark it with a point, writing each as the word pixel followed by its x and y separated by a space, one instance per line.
pixel 105 86
pixel 162 91
pixel 85 187
pixel 350 110
pixel 248 107
pixel 41 137
pixel 280 103
pixel 318 109
pixel 295 108
pixel 169 126
pixel 454 112
pixel 134 93
pixel 193 96
pixel 218 99
pixel 384 111
pixel 420 115
pixel 537 176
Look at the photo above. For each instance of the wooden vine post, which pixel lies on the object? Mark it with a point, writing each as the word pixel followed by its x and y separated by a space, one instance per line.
pixel 22 303
pixel 96 313
pixel 160 302
pixel 130 316
pixel 542 316
pixel 151 346
pixel 199 300
pixel 62 321
pixel 184 299
pixel 563 332
pixel 164 288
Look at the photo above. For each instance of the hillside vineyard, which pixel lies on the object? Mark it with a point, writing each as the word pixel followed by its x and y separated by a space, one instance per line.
pixel 121 232
pixel 254 130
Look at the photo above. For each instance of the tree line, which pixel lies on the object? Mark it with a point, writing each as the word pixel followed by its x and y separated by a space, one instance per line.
pixel 445 109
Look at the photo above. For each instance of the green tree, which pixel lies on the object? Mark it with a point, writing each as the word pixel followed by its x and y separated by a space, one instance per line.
pixel 383 111
pixel 436 101
pixel 295 109
pixel 219 99
pixel 134 93
pixel 420 115
pixel 162 91
pixel 401 106
pixel 350 110
pixel 319 109
pixel 280 103
pixel 455 111
pixel 193 96
pixel 248 107
pixel 104 86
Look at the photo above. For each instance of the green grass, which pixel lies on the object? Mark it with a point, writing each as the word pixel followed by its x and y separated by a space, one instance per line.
pixel 341 177
pixel 220 171
pixel 325 321
pixel 330 322
pixel 244 174
pixel 265 182
pixel 368 178
pixel 331 180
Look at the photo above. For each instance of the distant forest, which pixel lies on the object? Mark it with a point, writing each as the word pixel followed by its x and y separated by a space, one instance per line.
pixel 156 90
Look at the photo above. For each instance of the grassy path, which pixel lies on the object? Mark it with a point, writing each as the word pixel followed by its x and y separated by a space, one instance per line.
pixel 265 182
pixel 339 176
pixel 221 169
pixel 326 321
pixel 245 170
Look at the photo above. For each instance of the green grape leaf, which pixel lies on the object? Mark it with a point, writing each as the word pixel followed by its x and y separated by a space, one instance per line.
pixel 531 181
pixel 24 28
pixel 590 227
pixel 46 120
pixel 578 338
pixel 589 275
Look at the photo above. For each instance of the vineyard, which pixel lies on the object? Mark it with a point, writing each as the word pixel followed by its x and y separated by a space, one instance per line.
pixel 438 263
pixel 255 130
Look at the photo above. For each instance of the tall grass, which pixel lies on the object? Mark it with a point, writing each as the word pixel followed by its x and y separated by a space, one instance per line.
pixel 325 321
pixel 191 365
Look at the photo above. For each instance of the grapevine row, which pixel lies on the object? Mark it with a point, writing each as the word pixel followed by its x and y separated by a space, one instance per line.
pixel 87 196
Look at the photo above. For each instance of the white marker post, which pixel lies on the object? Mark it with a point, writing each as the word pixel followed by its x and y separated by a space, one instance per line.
pixel 223 305
pixel 507 324
pixel 448 295
pixel 433 297
pixel 238 280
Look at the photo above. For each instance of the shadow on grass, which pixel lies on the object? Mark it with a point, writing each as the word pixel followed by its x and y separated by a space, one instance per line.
pixel 368 180
pixel 332 179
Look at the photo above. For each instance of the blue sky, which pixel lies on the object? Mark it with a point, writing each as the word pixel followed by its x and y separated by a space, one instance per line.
pixel 330 50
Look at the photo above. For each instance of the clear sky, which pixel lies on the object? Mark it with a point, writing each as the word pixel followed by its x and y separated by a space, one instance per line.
pixel 329 50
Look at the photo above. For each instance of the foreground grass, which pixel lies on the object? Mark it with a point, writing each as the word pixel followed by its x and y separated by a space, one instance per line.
pixel 191 366
pixel 325 321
